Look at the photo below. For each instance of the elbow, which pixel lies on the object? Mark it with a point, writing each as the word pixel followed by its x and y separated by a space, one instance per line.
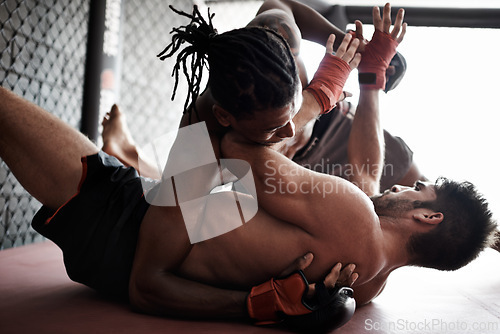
pixel 369 184
pixel 143 298
pixel 138 298
pixel 147 295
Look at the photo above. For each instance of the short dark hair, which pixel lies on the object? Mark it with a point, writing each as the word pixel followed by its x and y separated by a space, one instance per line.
pixel 250 69
pixel 465 231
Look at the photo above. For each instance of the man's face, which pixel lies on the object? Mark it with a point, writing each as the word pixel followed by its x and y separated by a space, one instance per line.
pixel 270 126
pixel 398 200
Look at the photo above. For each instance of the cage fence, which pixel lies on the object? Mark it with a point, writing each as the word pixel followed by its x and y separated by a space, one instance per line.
pixel 42 47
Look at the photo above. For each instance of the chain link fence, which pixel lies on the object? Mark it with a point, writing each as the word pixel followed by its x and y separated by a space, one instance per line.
pixel 42 47
pixel 146 83
pixel 42 58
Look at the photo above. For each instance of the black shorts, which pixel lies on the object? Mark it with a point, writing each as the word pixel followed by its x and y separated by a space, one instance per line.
pixel 98 228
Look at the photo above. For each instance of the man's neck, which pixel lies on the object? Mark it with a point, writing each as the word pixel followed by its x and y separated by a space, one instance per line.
pixel 203 113
pixel 395 238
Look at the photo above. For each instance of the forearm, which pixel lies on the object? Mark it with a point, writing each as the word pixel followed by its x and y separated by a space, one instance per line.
pixel 313 26
pixel 366 143
pixel 309 110
pixel 170 295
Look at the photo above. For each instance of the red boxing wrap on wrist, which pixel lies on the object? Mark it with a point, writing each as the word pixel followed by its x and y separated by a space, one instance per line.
pixel 268 302
pixel 375 60
pixel 328 82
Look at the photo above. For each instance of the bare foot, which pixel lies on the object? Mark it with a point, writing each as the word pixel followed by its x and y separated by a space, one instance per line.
pixel 117 140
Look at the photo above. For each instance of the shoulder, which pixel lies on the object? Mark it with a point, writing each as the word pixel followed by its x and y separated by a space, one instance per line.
pixel 344 197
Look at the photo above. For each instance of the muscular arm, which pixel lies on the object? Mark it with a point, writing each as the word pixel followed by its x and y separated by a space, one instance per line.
pixel 313 26
pixel 366 144
pixel 366 140
pixel 154 286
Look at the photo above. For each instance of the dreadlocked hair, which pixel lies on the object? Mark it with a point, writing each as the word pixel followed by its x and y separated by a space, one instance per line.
pixel 250 69
pixel 198 33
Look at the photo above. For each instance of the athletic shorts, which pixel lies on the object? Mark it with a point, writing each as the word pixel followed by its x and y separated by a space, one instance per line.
pixel 98 228
pixel 326 151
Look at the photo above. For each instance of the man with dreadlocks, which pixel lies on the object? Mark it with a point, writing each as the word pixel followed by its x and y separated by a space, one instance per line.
pixel 99 227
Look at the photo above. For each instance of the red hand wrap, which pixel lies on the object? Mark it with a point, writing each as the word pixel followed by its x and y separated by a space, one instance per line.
pixel 267 301
pixel 328 81
pixel 376 59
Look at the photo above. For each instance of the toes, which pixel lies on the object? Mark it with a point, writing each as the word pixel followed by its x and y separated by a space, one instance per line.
pixel 114 111
pixel 105 119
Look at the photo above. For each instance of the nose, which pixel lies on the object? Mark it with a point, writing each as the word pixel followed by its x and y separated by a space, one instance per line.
pixel 397 188
pixel 287 131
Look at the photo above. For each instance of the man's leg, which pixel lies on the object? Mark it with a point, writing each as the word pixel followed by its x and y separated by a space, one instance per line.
pixel 42 152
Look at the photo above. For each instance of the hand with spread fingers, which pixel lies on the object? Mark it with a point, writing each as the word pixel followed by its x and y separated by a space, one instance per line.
pixel 379 52
pixel 328 82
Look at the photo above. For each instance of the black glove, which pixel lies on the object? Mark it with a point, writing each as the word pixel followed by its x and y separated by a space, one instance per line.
pixel 285 301
pixel 331 308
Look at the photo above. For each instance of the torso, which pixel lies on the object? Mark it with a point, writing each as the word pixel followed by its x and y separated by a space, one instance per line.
pixel 265 246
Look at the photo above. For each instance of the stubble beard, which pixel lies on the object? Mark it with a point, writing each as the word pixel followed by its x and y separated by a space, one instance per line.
pixel 390 207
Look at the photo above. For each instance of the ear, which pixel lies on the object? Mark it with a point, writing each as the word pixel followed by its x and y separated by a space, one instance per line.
pixel 222 115
pixel 428 217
